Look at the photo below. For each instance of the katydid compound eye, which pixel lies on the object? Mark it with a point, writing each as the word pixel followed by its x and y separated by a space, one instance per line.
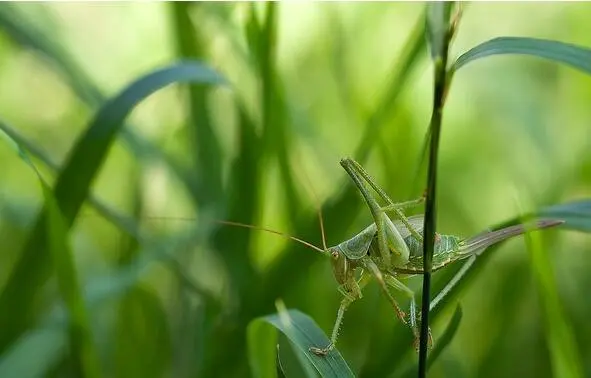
pixel 335 255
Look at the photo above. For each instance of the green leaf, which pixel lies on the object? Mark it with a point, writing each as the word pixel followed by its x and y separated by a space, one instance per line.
pixel 576 214
pixel 142 345
pixel 72 187
pixel 572 55
pixel 261 352
pixel 303 332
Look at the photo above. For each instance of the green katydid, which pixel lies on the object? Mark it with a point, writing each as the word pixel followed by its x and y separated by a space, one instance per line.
pixel 388 250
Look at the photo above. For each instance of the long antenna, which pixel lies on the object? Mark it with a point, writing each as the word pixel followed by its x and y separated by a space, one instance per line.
pixel 238 224
pixel 310 190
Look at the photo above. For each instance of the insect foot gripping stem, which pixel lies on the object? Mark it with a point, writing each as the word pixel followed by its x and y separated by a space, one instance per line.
pixel 417 340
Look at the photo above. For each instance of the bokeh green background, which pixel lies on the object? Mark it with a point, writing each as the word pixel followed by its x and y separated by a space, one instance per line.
pixel 515 138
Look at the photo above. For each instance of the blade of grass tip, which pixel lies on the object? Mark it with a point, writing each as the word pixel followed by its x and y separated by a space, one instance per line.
pixel 81 341
pixel 564 356
pixel 439 38
pixel 31 35
pixel 203 139
pixel 412 53
pixel 72 187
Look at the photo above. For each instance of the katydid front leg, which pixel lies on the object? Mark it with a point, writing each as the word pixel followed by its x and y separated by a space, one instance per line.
pixel 351 292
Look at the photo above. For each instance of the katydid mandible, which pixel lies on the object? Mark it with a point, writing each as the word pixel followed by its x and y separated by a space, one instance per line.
pixel 388 250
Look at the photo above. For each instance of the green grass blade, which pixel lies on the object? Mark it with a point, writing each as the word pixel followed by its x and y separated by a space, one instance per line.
pixel 412 54
pixel 564 355
pixel 142 343
pixel 81 341
pixel 291 362
pixel 261 341
pixel 578 57
pixel 202 137
pixel 303 332
pixel 437 21
pixel 72 188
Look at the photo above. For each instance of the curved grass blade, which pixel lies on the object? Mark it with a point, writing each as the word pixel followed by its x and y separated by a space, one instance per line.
pixel 303 332
pixel 578 57
pixel 41 38
pixel 72 188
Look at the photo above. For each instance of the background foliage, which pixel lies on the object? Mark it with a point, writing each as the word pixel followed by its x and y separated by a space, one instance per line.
pixel 169 294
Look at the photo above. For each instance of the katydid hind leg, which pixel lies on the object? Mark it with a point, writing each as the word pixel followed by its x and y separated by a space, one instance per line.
pixel 377 274
pixel 359 174
pixel 414 323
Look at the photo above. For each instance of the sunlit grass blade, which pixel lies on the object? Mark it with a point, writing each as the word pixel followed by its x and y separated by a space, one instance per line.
pixel 303 332
pixel 412 54
pixel 138 352
pixel 564 354
pixel 203 141
pixel 578 57
pixel 72 187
